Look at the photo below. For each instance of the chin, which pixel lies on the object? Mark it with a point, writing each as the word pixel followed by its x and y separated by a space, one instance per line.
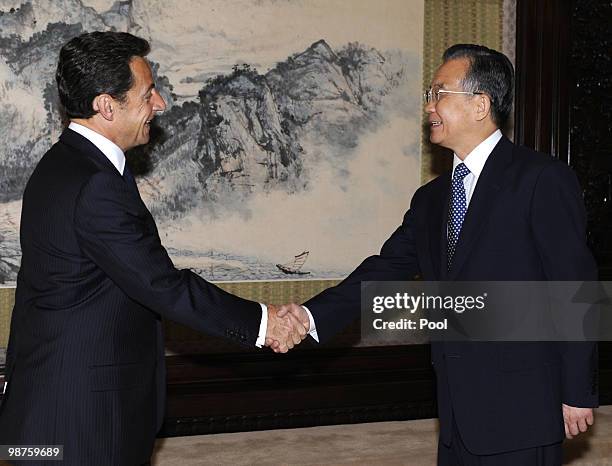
pixel 435 139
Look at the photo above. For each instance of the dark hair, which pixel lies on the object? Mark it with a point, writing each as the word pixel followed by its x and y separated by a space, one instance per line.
pixel 96 63
pixel 490 72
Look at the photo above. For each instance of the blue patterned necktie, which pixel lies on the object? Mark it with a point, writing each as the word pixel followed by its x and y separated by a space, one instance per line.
pixel 458 207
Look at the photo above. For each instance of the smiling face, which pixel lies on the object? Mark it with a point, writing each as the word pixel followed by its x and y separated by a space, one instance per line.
pixel 132 118
pixel 452 118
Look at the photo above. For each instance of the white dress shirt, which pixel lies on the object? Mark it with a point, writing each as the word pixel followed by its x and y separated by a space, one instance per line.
pixel 116 156
pixel 475 162
pixel 112 151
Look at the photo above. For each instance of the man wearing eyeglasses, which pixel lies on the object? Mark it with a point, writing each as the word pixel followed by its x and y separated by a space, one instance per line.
pixel 504 213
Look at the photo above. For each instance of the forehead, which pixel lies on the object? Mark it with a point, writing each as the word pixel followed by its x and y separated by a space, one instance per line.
pixel 451 72
pixel 141 70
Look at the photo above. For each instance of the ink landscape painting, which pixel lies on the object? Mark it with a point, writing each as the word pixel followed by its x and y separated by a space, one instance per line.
pixel 290 146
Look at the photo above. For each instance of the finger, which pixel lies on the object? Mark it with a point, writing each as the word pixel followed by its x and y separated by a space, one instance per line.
pixel 567 432
pixel 300 314
pixel 573 427
pixel 298 332
pixel 286 341
pixel 293 337
pixel 590 419
pixel 274 344
pixel 282 310
pixel 582 425
pixel 295 329
pixel 297 325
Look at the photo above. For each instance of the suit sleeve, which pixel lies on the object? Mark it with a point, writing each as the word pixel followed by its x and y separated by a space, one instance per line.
pixel 115 231
pixel 336 307
pixel 11 348
pixel 559 227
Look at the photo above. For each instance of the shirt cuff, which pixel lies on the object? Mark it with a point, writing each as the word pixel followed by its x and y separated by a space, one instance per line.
pixel 312 329
pixel 263 326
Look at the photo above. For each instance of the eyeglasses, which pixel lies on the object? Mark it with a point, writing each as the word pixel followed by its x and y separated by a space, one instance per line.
pixel 434 94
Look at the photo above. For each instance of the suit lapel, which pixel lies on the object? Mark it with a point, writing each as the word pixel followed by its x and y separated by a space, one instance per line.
pixel 482 203
pixel 437 227
pixel 86 147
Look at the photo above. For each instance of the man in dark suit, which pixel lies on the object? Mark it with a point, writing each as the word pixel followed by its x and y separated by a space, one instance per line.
pixel 85 362
pixel 505 213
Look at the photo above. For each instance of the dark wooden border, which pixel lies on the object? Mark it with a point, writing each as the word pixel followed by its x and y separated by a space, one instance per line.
pixel 541 118
pixel 257 391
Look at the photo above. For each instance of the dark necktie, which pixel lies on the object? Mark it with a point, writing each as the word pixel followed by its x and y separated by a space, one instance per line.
pixel 129 178
pixel 458 207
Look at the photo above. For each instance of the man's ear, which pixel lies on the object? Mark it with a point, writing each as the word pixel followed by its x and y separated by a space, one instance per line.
pixel 105 105
pixel 483 106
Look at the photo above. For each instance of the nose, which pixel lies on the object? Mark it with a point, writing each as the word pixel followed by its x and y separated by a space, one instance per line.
pixel 430 107
pixel 159 104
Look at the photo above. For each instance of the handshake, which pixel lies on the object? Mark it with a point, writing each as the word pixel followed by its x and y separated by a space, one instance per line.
pixel 288 325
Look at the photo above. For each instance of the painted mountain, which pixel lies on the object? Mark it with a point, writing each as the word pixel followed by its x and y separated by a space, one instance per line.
pixel 249 132
pixel 252 170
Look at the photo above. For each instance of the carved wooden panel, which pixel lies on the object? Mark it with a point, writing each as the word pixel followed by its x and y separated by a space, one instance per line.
pixel 590 115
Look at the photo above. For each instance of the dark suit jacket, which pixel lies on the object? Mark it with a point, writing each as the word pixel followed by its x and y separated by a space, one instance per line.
pixel 525 222
pixel 85 361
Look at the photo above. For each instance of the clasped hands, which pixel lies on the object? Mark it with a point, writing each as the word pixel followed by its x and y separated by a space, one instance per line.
pixel 288 325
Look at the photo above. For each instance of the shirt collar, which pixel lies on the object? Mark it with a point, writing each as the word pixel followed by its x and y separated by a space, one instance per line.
pixel 476 159
pixel 111 150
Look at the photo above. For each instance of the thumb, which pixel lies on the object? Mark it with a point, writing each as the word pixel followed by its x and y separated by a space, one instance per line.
pixel 302 316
